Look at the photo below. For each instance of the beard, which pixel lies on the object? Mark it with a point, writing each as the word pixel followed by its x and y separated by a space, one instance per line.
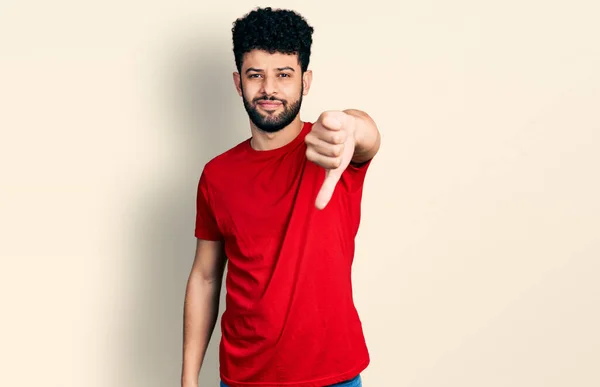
pixel 272 123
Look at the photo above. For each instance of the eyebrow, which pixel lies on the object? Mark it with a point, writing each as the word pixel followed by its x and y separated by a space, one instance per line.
pixel 260 71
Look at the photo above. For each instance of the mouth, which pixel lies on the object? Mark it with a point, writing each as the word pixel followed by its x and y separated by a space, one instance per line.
pixel 269 105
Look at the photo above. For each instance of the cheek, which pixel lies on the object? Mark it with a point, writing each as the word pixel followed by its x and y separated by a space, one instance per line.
pixel 249 89
pixel 252 93
pixel 291 91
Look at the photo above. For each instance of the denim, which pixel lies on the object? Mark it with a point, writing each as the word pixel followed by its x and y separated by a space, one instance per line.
pixel 354 382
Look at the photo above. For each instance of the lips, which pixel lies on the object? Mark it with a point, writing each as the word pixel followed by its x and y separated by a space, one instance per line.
pixel 269 104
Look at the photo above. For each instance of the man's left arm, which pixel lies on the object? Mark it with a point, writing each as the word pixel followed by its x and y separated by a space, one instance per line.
pixel 337 140
pixel 366 134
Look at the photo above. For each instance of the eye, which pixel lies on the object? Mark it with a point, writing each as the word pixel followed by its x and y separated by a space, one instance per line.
pixel 254 75
pixel 285 75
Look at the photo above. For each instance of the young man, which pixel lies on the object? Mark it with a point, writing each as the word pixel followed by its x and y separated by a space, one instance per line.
pixel 283 209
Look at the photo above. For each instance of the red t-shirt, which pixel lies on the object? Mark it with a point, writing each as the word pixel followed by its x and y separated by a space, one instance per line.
pixel 290 318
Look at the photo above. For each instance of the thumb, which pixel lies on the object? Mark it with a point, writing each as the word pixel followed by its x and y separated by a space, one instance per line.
pixel 332 122
pixel 326 192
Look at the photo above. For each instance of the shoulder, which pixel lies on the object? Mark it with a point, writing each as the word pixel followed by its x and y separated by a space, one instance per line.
pixel 223 162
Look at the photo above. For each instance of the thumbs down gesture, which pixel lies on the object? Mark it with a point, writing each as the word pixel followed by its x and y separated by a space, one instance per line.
pixel 331 144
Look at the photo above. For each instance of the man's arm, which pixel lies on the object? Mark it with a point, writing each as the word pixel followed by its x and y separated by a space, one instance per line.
pixel 338 139
pixel 201 307
pixel 368 138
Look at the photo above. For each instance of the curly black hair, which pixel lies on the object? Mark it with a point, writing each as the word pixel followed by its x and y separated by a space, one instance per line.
pixel 279 30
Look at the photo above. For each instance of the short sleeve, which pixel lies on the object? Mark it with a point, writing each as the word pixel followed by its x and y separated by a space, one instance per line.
pixel 354 175
pixel 206 224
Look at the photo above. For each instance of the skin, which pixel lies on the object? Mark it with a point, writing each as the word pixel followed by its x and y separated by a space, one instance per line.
pixel 201 306
pixel 337 139
pixel 277 76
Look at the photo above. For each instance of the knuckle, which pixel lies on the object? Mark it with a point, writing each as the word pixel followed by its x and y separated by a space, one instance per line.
pixel 337 151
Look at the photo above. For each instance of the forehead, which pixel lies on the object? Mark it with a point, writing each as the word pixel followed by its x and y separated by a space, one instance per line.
pixel 266 61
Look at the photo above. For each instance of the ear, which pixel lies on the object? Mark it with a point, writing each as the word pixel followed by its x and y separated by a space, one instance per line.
pixel 307 80
pixel 237 82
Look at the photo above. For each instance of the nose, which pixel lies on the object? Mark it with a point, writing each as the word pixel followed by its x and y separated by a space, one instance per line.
pixel 268 85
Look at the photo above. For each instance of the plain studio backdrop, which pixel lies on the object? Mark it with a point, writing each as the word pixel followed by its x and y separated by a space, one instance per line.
pixel 479 251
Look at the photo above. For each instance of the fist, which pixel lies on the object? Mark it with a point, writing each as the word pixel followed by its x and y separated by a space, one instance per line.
pixel 330 144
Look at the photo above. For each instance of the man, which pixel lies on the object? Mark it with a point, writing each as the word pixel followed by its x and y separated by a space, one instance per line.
pixel 283 209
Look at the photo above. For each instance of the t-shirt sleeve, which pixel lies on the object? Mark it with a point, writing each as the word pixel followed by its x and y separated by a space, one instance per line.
pixel 206 223
pixel 354 175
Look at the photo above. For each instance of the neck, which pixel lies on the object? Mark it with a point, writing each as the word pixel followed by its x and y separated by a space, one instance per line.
pixel 262 141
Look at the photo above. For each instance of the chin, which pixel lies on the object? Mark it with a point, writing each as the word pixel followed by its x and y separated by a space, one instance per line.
pixel 268 128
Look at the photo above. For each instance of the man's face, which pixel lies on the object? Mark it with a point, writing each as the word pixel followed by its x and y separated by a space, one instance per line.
pixel 271 87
